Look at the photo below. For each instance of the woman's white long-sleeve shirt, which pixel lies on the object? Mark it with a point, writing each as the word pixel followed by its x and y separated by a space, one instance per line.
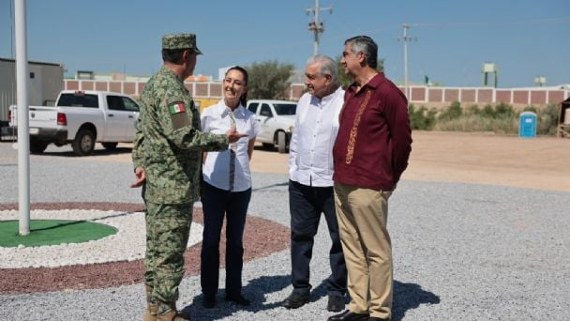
pixel 216 169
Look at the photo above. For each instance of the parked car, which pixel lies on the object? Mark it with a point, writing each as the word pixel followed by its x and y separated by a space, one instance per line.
pixel 277 119
pixel 81 118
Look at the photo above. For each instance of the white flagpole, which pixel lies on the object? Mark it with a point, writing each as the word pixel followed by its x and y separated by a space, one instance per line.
pixel 22 74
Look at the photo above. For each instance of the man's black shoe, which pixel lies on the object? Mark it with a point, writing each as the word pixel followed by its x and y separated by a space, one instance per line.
pixel 238 299
pixel 296 300
pixel 209 302
pixel 349 316
pixel 336 303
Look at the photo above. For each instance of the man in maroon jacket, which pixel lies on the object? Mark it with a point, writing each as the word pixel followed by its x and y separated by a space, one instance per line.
pixel 370 153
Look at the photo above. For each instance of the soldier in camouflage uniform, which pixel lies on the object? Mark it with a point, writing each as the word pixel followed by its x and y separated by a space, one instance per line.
pixel 167 157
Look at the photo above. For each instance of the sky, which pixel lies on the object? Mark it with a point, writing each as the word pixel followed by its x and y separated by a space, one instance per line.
pixel 451 39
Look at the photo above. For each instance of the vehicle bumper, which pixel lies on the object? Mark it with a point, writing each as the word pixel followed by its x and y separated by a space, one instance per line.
pixel 4 130
pixel 58 136
pixel 4 126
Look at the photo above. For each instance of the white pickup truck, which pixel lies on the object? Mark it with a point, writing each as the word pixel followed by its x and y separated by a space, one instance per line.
pixel 81 118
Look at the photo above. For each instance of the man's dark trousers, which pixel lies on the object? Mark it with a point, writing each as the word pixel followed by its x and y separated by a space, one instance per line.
pixel 306 205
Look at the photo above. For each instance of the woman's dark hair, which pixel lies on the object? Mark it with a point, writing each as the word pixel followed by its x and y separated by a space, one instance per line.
pixel 243 98
pixel 173 55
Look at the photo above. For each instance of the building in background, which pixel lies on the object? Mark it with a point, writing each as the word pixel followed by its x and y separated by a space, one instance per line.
pixel 46 81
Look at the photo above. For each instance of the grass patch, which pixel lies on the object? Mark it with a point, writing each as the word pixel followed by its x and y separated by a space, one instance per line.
pixel 52 232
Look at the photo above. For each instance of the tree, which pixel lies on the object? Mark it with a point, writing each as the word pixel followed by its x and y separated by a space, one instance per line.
pixel 344 80
pixel 269 80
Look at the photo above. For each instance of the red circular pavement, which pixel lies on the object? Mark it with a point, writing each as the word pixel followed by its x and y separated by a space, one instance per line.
pixel 261 238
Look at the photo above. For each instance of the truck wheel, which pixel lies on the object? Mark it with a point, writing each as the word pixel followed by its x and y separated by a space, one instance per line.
pixel 281 142
pixel 38 147
pixel 111 146
pixel 84 142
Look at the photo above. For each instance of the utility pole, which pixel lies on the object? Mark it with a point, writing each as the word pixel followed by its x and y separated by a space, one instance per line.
pixel 406 38
pixel 22 77
pixel 315 26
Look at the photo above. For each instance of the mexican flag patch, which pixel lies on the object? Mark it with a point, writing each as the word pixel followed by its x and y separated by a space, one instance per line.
pixel 176 108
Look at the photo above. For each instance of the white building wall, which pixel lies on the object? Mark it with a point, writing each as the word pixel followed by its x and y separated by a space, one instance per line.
pixel 43 88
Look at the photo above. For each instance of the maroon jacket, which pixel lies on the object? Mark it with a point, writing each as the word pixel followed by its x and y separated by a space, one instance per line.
pixel 374 138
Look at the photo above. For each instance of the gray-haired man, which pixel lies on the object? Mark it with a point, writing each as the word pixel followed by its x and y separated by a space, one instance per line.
pixel 311 185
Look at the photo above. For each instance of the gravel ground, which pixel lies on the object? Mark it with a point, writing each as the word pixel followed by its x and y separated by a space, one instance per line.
pixel 127 244
pixel 461 251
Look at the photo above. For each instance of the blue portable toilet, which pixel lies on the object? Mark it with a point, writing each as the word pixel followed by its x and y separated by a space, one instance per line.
pixel 527 125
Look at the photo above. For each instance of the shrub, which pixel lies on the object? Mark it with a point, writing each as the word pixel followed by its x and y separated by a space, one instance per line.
pixel 421 119
pixel 473 110
pixel 500 119
pixel 548 120
pixel 488 111
pixel 530 109
pixel 451 112
pixel 504 110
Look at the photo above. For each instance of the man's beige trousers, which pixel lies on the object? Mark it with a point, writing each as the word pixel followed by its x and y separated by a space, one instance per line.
pixel 362 218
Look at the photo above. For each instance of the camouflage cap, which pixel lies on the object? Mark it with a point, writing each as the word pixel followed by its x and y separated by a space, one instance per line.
pixel 180 41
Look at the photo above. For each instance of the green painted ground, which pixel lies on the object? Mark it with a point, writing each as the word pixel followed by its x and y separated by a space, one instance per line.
pixel 52 232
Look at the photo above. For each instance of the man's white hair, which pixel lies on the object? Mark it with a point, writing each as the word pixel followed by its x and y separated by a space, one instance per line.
pixel 327 66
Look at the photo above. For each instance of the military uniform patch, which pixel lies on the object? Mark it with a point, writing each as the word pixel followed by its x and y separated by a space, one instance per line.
pixel 177 107
pixel 178 114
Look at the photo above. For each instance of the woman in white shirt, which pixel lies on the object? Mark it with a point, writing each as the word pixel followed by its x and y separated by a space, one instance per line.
pixel 226 190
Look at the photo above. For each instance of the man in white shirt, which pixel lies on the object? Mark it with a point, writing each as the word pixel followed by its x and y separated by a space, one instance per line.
pixel 311 185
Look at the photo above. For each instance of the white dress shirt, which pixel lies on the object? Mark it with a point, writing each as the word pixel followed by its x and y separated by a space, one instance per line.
pixel 216 169
pixel 310 149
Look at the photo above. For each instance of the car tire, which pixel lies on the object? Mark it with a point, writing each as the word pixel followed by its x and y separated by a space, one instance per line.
pixel 111 146
pixel 38 147
pixel 267 146
pixel 281 142
pixel 84 142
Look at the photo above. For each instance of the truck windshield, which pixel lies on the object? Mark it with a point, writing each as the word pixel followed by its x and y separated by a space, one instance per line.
pixel 74 100
pixel 285 109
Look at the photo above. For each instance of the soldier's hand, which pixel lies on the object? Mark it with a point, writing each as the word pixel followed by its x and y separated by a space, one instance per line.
pixel 140 178
pixel 233 135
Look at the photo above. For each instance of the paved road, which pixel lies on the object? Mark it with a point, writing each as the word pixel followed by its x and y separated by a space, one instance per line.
pixel 462 251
